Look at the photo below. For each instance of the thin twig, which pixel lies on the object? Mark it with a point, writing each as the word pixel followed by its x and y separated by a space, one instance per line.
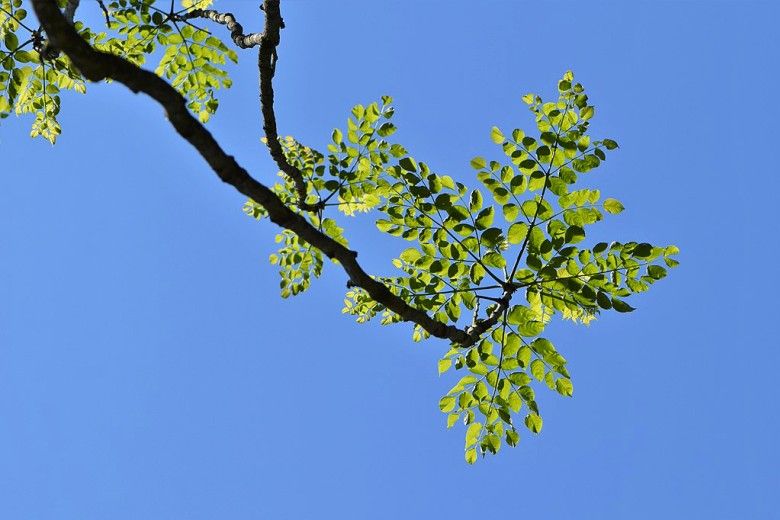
pixel 267 64
pixel 105 12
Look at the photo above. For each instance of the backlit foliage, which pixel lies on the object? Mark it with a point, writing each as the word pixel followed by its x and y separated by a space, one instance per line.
pixel 188 56
pixel 522 230
pixel 498 258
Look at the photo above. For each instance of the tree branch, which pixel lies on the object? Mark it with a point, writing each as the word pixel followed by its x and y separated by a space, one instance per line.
pixel 227 19
pixel 479 327
pixel 266 59
pixel 96 66
pixel 105 12
pixel 70 9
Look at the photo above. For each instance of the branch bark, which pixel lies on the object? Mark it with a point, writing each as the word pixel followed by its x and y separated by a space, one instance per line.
pixel 479 327
pixel 245 41
pixel 266 63
pixel 70 9
pixel 96 66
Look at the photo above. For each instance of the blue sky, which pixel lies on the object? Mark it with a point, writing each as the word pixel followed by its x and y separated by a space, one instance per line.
pixel 149 369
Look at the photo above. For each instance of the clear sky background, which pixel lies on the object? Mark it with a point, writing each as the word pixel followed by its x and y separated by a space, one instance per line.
pixel 149 369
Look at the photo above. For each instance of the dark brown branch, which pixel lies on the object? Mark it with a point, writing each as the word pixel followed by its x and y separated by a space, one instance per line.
pixel 245 41
pixel 267 65
pixel 96 66
pixel 45 49
pixel 105 12
pixel 70 9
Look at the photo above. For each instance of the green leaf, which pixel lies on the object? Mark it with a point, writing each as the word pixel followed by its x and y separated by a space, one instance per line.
pixel 603 300
pixel 472 433
pixel 537 369
pixel 471 456
pixel 613 206
pixel 530 208
pixel 408 164
pixel 530 328
pixel 492 237
pixel 575 234
pixel 478 163
pixel 517 314
pixel 447 403
pixel 543 347
pixel 493 259
pixel 386 130
pixel 477 273
pixel 11 41
pixel 511 211
pixel 533 422
pixel 523 358
pixel 517 232
pixel 497 136
pixel 492 443
pixel 410 255
pixel 485 218
pixel 475 200
pixel 515 402
pixel 564 387
pixel 586 113
pixel 621 306
pixel 444 365
pixel 525 320
pixel 656 271
pixel 643 250
pixel 457 212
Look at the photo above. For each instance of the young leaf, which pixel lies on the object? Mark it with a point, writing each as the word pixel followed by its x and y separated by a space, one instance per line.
pixel 472 433
pixel 533 422
pixel 613 206
pixel 496 135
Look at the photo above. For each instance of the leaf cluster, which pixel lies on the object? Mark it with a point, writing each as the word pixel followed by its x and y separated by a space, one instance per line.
pixel 495 262
pixel 30 84
pixel 31 78
pixel 473 252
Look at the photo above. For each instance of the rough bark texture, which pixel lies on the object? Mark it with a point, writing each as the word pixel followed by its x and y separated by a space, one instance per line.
pixel 96 66
pixel 242 40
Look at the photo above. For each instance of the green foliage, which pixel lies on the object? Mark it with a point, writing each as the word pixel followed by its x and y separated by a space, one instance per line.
pixel 31 81
pixel 196 4
pixel 28 84
pixel 298 261
pixel 498 261
pixel 192 59
pixel 519 236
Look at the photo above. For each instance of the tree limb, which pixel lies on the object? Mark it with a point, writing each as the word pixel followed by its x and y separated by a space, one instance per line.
pixel 96 66
pixel 266 59
pixel 70 9
pixel 245 41
pixel 479 327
